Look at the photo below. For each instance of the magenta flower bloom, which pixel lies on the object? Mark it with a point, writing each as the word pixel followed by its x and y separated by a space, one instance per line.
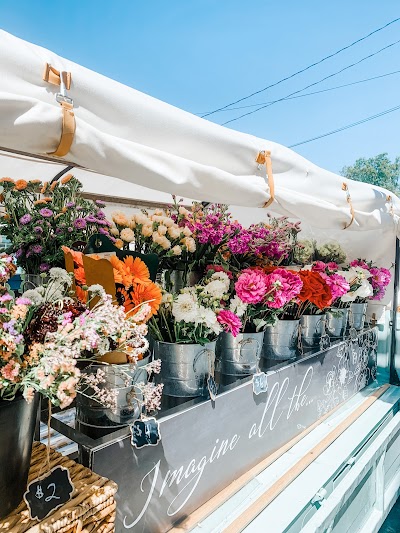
pixel 282 286
pixel 359 263
pixel 103 231
pixel 91 219
pixel 80 223
pixel 70 204
pixel 338 285
pixel 251 286
pixel 23 301
pixel 229 321
pixel 332 266
pixel 44 267
pixel 25 219
pixel 46 213
pixel 319 266
pixel 5 298
pixel 38 230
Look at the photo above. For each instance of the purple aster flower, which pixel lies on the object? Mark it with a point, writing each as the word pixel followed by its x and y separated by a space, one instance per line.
pixel 100 214
pixel 70 230
pixel 112 239
pixel 38 229
pixel 91 219
pixel 44 267
pixel 100 203
pixel 46 213
pixel 36 249
pixel 70 204
pixel 5 298
pixel 80 223
pixel 19 253
pixel 79 208
pixel 25 219
pixel 59 231
pixel 103 231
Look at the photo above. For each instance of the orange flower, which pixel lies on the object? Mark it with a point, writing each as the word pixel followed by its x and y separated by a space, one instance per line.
pixel 119 243
pixel 2 198
pixel 35 182
pixel 44 188
pixel 124 298
pixel 137 269
pixel 81 294
pixel 66 179
pixel 6 180
pixel 80 276
pixel 40 202
pixel 121 272
pixel 20 185
pixel 150 293
pixel 47 199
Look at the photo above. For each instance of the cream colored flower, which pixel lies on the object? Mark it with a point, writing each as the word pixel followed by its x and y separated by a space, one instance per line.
pixel 177 250
pixel 157 218
pixel 174 232
pixel 120 219
pixel 127 235
pixel 132 222
pixel 142 219
pixel 157 237
pixel 158 212
pixel 114 231
pixel 147 231
pixel 162 230
pixel 187 232
pixel 167 221
pixel 189 243
pixel 165 243
pixel 183 211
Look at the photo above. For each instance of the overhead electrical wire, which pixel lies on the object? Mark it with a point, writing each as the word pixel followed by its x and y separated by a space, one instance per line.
pixel 304 69
pixel 315 92
pixel 313 84
pixel 382 113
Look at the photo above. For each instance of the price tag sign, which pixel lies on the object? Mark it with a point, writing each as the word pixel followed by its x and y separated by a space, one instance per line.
pixel 145 432
pixel 212 388
pixel 260 383
pixel 48 493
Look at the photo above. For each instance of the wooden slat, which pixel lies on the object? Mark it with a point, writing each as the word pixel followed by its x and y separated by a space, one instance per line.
pixel 219 499
pixel 240 523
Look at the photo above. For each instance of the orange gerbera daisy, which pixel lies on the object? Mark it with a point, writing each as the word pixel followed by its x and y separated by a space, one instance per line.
pixel 150 293
pixel 121 273
pixel 138 269
pixel 20 185
pixel 124 298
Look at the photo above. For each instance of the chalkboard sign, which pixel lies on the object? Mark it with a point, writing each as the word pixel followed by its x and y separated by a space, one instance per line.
pixel 145 432
pixel 260 383
pixel 46 494
pixel 212 388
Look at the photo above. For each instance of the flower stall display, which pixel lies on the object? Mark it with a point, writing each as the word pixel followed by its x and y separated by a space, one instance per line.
pixel 258 299
pixel 186 328
pixel 38 218
pixel 44 334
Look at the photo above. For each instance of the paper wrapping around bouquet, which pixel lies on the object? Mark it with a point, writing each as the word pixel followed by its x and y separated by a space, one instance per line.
pixel 90 509
pixel 100 271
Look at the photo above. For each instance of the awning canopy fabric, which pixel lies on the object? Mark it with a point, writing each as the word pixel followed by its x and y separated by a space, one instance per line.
pixel 134 145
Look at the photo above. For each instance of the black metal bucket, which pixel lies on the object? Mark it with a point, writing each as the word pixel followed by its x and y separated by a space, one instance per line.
pixel 17 427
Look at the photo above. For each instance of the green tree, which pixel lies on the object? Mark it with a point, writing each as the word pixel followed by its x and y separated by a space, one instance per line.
pixel 378 170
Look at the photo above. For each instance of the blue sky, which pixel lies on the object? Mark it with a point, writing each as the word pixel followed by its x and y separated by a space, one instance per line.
pixel 202 54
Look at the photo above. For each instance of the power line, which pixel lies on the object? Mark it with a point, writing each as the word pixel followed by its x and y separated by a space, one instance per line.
pixel 304 69
pixel 348 126
pixel 314 92
pixel 312 84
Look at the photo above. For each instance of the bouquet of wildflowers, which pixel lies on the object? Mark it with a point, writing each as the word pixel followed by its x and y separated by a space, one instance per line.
pixel 197 315
pixel 260 297
pixel 366 280
pixel 38 218
pixel 7 269
pixel 264 244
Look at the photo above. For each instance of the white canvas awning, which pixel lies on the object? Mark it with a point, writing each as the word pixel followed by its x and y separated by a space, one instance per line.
pixel 131 143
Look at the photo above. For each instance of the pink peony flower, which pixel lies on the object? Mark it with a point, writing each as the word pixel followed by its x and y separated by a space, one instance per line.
pixel 251 286
pixel 319 266
pixel 230 322
pixel 338 285
pixel 332 266
pixel 283 286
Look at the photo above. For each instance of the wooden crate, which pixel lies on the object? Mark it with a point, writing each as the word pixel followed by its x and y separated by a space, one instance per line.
pixel 91 508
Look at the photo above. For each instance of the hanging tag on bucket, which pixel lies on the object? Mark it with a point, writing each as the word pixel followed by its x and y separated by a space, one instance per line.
pixel 260 383
pixel 145 432
pixel 211 385
pixel 46 494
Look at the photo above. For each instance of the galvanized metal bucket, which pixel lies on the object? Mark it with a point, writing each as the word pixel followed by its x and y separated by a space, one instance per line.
pixel 96 420
pixel 184 368
pixel 281 340
pixel 357 316
pixel 336 322
pixel 312 329
pixel 175 280
pixel 239 356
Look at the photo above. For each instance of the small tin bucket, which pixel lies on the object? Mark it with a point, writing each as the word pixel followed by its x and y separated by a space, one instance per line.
pixel 240 355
